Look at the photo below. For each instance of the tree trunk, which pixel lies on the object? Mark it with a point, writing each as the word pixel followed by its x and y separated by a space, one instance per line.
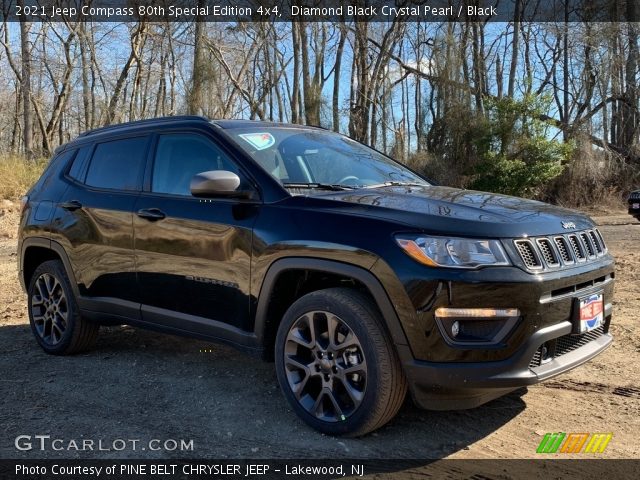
pixel 337 69
pixel 514 50
pixel 295 94
pixel 565 73
pixel 631 88
pixel 195 101
pixel 86 89
pixel 27 128
pixel 136 41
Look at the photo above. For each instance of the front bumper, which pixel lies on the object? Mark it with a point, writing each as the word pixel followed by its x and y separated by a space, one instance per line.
pixel 446 376
pixel 452 386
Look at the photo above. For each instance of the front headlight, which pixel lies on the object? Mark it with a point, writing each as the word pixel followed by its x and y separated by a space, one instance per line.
pixel 453 252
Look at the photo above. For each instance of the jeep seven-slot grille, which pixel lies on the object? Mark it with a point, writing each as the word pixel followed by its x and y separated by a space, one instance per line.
pixel 563 345
pixel 560 250
pixel 576 247
pixel 596 242
pixel 547 251
pixel 528 254
pixel 587 243
pixel 561 243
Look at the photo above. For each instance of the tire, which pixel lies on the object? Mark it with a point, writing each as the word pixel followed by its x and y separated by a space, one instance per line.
pixel 348 387
pixel 54 314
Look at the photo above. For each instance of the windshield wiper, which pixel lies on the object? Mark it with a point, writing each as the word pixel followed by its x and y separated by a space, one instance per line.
pixel 394 183
pixel 319 186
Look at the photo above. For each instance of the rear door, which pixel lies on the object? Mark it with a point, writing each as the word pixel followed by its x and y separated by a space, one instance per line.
pixel 94 221
pixel 193 255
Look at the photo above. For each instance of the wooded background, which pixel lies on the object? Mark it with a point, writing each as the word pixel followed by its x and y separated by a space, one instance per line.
pixel 548 110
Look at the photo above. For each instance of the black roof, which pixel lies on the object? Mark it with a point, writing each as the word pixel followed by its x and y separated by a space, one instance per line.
pixel 151 122
pixel 230 124
pixel 147 122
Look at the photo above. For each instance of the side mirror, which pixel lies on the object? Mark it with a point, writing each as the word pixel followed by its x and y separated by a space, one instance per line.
pixel 217 183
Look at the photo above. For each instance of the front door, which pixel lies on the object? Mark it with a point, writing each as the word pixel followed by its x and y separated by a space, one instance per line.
pixel 193 255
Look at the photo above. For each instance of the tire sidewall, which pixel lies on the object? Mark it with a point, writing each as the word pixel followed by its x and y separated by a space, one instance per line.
pixel 55 269
pixel 361 416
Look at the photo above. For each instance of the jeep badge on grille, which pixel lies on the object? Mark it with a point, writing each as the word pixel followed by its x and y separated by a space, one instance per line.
pixel 568 225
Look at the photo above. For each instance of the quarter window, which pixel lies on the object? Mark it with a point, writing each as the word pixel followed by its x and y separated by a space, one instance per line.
pixel 181 156
pixel 117 164
pixel 78 166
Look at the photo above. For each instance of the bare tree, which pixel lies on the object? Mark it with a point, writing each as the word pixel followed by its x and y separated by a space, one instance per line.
pixel 25 82
pixel 137 39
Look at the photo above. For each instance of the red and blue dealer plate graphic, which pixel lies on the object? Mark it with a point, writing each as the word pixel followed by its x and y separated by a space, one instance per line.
pixel 591 312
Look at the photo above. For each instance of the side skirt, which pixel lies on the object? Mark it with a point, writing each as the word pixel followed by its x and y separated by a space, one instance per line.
pixel 110 311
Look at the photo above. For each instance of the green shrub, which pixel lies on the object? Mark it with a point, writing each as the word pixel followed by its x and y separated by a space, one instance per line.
pixel 517 152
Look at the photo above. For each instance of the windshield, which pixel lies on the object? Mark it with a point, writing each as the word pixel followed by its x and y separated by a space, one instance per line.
pixel 299 157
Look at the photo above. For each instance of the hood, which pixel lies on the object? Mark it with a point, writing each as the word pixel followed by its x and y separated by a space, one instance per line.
pixel 454 211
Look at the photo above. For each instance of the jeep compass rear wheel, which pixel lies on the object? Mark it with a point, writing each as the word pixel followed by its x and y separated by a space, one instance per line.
pixel 336 364
pixel 53 312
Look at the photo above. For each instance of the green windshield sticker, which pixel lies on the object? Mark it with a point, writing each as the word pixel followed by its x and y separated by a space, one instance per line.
pixel 259 140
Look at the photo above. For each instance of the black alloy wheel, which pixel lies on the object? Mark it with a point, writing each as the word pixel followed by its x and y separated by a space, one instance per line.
pixel 325 366
pixel 49 309
pixel 54 314
pixel 336 363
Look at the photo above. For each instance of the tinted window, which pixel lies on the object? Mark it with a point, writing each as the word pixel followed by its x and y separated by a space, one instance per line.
pixel 78 166
pixel 302 155
pixel 180 156
pixel 117 164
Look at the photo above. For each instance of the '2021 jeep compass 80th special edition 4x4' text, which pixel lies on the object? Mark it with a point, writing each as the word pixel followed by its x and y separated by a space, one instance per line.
pixel 358 277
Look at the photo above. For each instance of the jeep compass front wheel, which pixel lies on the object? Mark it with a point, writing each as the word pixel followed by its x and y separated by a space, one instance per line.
pixel 336 365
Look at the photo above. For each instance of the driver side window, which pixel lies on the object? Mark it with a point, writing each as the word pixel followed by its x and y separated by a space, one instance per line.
pixel 180 156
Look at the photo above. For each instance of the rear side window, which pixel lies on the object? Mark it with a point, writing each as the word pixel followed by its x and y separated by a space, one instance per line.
pixel 117 165
pixel 77 170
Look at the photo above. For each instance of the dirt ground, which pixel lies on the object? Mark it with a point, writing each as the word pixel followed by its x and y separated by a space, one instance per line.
pixel 142 385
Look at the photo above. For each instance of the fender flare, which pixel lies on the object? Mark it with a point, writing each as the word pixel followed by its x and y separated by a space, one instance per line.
pixel 55 247
pixel 360 274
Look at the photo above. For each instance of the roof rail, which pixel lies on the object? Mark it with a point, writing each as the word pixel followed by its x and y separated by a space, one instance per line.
pixel 147 121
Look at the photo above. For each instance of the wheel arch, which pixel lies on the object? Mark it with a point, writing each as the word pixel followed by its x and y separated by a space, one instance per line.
pixel 35 251
pixel 267 311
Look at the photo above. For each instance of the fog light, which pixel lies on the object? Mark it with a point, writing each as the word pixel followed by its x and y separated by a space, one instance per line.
pixel 476 312
pixel 466 326
pixel 455 329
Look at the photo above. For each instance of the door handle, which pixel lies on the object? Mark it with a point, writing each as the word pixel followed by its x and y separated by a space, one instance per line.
pixel 151 214
pixel 71 205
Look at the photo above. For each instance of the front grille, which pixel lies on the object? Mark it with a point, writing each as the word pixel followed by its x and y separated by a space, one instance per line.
pixel 576 247
pixel 563 345
pixel 537 359
pixel 528 254
pixel 561 243
pixel 596 242
pixel 569 343
pixel 634 196
pixel 560 250
pixel 586 241
pixel 547 251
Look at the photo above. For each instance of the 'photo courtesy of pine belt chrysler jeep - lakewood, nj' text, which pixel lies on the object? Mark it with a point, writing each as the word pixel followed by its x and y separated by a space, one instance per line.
pixel 360 279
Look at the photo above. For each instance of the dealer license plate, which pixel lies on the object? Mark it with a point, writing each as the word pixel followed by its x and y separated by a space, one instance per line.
pixel 591 312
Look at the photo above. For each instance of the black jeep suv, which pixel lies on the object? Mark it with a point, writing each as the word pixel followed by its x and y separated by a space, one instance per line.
pixel 634 204
pixel 361 279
